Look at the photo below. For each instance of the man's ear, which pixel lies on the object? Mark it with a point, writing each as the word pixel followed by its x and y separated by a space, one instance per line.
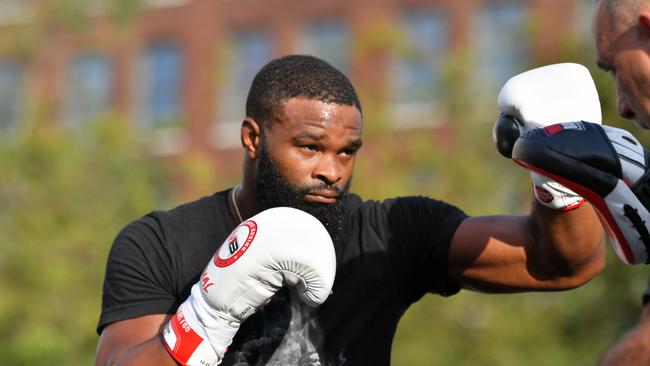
pixel 644 22
pixel 251 137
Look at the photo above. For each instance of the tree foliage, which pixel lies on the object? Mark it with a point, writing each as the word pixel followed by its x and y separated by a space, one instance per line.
pixel 64 195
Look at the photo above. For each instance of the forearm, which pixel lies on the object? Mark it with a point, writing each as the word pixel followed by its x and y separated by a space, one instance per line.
pixel 567 246
pixel 548 250
pixel 135 341
pixel 633 348
pixel 151 352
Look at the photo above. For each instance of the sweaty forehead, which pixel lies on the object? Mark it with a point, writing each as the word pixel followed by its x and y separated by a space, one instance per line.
pixel 301 113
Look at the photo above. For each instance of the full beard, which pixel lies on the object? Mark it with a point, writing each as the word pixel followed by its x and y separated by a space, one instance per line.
pixel 273 190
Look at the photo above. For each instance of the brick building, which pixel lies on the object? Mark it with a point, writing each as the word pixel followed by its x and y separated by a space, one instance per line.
pixel 181 68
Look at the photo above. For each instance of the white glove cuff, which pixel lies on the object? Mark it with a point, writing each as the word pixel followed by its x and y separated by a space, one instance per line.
pixel 198 335
pixel 554 195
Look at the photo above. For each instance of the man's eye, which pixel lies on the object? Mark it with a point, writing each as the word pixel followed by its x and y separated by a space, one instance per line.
pixel 310 148
pixel 349 152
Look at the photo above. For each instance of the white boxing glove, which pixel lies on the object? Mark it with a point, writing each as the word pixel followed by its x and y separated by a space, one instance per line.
pixel 540 97
pixel 275 247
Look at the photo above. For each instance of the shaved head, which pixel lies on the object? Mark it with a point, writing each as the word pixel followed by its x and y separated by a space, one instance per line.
pixel 624 12
pixel 622 34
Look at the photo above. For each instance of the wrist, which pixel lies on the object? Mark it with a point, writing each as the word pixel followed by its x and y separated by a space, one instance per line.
pixel 188 344
pixel 198 334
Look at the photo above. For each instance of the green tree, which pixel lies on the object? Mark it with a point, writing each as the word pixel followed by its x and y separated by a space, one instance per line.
pixel 64 196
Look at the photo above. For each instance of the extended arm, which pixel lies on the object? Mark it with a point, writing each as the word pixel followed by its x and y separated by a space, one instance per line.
pixel 548 250
pixel 560 244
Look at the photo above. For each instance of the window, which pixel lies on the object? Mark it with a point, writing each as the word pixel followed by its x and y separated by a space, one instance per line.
pixel 164 3
pixel 87 88
pixel 502 45
pixel 16 11
pixel 417 70
pixel 159 85
pixel 328 40
pixel 11 96
pixel 248 52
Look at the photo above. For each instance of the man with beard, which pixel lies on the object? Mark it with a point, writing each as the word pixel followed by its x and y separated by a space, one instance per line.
pixel 302 130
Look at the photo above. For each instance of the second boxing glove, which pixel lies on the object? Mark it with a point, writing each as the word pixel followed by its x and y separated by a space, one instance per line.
pixel 544 96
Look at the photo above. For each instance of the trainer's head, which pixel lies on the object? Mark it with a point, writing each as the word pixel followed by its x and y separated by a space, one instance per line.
pixel 301 135
pixel 622 30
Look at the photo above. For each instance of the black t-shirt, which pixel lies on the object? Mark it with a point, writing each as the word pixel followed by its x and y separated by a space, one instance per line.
pixel 392 254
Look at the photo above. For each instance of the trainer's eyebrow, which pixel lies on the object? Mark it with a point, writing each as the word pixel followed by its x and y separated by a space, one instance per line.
pixel 603 66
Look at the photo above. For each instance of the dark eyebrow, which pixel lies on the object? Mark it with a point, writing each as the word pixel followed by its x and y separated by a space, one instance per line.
pixel 308 135
pixel 355 144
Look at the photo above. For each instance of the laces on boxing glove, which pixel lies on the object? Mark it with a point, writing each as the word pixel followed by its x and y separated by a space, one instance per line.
pixel 554 195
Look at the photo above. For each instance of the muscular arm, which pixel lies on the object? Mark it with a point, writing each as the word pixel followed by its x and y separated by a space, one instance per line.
pixel 134 341
pixel 634 348
pixel 547 250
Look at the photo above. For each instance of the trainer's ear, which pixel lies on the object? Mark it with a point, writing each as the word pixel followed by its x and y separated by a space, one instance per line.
pixel 250 137
pixel 644 22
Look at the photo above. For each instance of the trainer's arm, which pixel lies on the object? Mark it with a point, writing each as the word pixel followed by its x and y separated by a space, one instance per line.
pixel 134 341
pixel 547 250
pixel 633 348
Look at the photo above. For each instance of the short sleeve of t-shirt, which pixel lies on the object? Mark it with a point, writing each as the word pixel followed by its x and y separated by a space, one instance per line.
pixel 421 230
pixel 135 283
pixel 417 232
pixel 155 260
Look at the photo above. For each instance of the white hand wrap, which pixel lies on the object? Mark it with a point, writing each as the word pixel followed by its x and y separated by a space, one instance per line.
pixel 544 96
pixel 275 247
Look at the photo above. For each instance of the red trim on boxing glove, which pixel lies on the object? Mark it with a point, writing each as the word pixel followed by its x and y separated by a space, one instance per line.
pixel 187 340
pixel 573 207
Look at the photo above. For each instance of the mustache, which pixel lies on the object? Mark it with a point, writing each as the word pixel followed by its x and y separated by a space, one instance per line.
pixel 321 187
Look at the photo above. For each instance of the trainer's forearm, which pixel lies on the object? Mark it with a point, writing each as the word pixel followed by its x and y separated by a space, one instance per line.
pixel 570 244
pixel 634 347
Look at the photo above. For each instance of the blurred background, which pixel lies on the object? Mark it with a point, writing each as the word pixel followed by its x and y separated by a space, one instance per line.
pixel 112 108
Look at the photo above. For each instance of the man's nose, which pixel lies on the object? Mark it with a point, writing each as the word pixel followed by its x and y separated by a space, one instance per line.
pixel 328 170
pixel 624 109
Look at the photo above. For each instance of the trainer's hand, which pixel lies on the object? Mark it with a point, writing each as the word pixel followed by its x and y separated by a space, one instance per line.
pixel 540 97
pixel 275 247
pixel 608 166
